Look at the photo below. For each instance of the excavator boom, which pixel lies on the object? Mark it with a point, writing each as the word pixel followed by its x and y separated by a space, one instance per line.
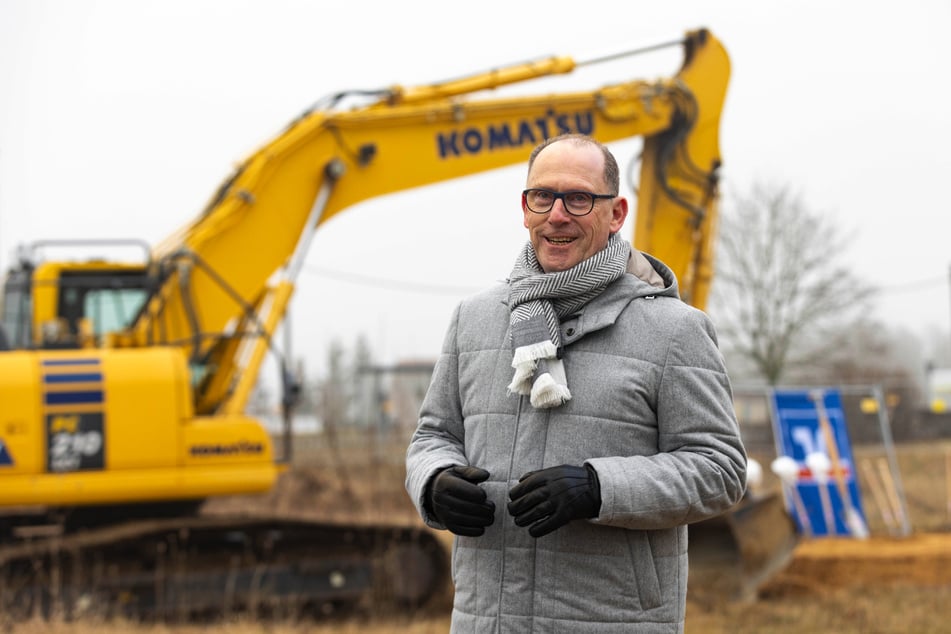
pixel 415 137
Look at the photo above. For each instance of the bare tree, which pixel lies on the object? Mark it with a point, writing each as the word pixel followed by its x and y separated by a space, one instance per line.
pixel 781 299
pixel 333 401
pixel 334 392
pixel 870 353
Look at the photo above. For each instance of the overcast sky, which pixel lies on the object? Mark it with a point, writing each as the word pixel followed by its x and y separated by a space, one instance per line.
pixel 119 119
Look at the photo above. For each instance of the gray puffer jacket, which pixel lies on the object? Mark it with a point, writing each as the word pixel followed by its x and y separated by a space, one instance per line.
pixel 651 411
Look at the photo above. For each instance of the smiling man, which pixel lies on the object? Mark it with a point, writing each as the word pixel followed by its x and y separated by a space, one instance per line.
pixel 579 417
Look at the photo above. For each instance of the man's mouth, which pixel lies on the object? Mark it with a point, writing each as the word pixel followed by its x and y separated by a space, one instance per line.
pixel 560 240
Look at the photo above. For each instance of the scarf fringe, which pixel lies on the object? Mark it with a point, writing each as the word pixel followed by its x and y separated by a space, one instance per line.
pixel 546 392
pixel 520 386
pixel 525 361
pixel 532 352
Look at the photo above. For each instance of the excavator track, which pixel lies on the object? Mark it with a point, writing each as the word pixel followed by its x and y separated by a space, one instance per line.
pixel 183 568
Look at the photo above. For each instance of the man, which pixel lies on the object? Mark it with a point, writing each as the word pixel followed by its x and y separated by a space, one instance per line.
pixel 579 417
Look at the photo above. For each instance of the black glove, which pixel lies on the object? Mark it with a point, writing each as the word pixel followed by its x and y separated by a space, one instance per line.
pixel 457 500
pixel 553 497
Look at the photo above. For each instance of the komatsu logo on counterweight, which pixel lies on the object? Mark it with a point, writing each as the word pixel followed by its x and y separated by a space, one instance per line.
pixel 526 132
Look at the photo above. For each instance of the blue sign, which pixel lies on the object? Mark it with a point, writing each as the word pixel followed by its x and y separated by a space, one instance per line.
pixel 809 427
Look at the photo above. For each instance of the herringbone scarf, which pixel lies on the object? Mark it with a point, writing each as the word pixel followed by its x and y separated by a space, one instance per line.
pixel 539 301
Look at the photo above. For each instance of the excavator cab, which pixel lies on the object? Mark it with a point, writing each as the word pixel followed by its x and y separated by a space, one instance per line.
pixel 69 304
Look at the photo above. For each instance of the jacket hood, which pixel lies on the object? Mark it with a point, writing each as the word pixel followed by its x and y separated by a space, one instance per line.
pixel 653 276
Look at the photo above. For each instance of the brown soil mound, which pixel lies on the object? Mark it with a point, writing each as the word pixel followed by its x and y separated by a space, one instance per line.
pixel 922 559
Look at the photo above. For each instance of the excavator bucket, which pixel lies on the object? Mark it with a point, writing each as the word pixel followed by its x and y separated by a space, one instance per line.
pixel 735 553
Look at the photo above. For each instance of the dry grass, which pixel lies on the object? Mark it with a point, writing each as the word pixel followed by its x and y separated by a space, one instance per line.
pixel 859 609
pixel 864 588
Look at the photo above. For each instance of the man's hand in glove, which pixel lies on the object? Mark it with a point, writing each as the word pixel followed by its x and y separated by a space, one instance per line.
pixel 457 500
pixel 550 498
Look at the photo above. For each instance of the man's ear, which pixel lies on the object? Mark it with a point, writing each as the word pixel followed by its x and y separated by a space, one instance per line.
pixel 618 213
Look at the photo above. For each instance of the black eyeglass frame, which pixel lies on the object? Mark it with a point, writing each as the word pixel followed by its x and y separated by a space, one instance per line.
pixel 561 195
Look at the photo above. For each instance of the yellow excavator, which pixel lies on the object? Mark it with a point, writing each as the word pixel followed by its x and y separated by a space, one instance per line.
pixel 124 383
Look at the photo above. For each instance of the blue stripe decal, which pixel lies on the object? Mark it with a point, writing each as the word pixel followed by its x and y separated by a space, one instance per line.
pixel 70 398
pixel 89 377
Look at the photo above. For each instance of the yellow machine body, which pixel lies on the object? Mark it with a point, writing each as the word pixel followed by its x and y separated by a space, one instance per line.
pixel 109 425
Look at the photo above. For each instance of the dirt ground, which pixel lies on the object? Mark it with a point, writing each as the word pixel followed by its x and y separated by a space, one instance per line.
pixel 879 585
pixel 891 582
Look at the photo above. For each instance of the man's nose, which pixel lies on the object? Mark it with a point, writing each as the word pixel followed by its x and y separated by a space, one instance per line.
pixel 559 213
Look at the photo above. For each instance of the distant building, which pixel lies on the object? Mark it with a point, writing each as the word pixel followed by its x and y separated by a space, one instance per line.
pixel 939 390
pixel 399 390
pixel 407 390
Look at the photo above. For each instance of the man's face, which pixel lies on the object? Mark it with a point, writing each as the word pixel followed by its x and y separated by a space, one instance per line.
pixel 561 240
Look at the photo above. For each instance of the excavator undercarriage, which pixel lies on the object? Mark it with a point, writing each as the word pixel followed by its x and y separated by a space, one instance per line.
pixel 218 566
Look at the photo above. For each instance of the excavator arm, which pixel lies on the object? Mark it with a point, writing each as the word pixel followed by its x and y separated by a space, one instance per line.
pixel 216 272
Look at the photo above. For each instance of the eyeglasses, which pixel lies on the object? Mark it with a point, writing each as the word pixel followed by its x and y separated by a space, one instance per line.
pixel 540 201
